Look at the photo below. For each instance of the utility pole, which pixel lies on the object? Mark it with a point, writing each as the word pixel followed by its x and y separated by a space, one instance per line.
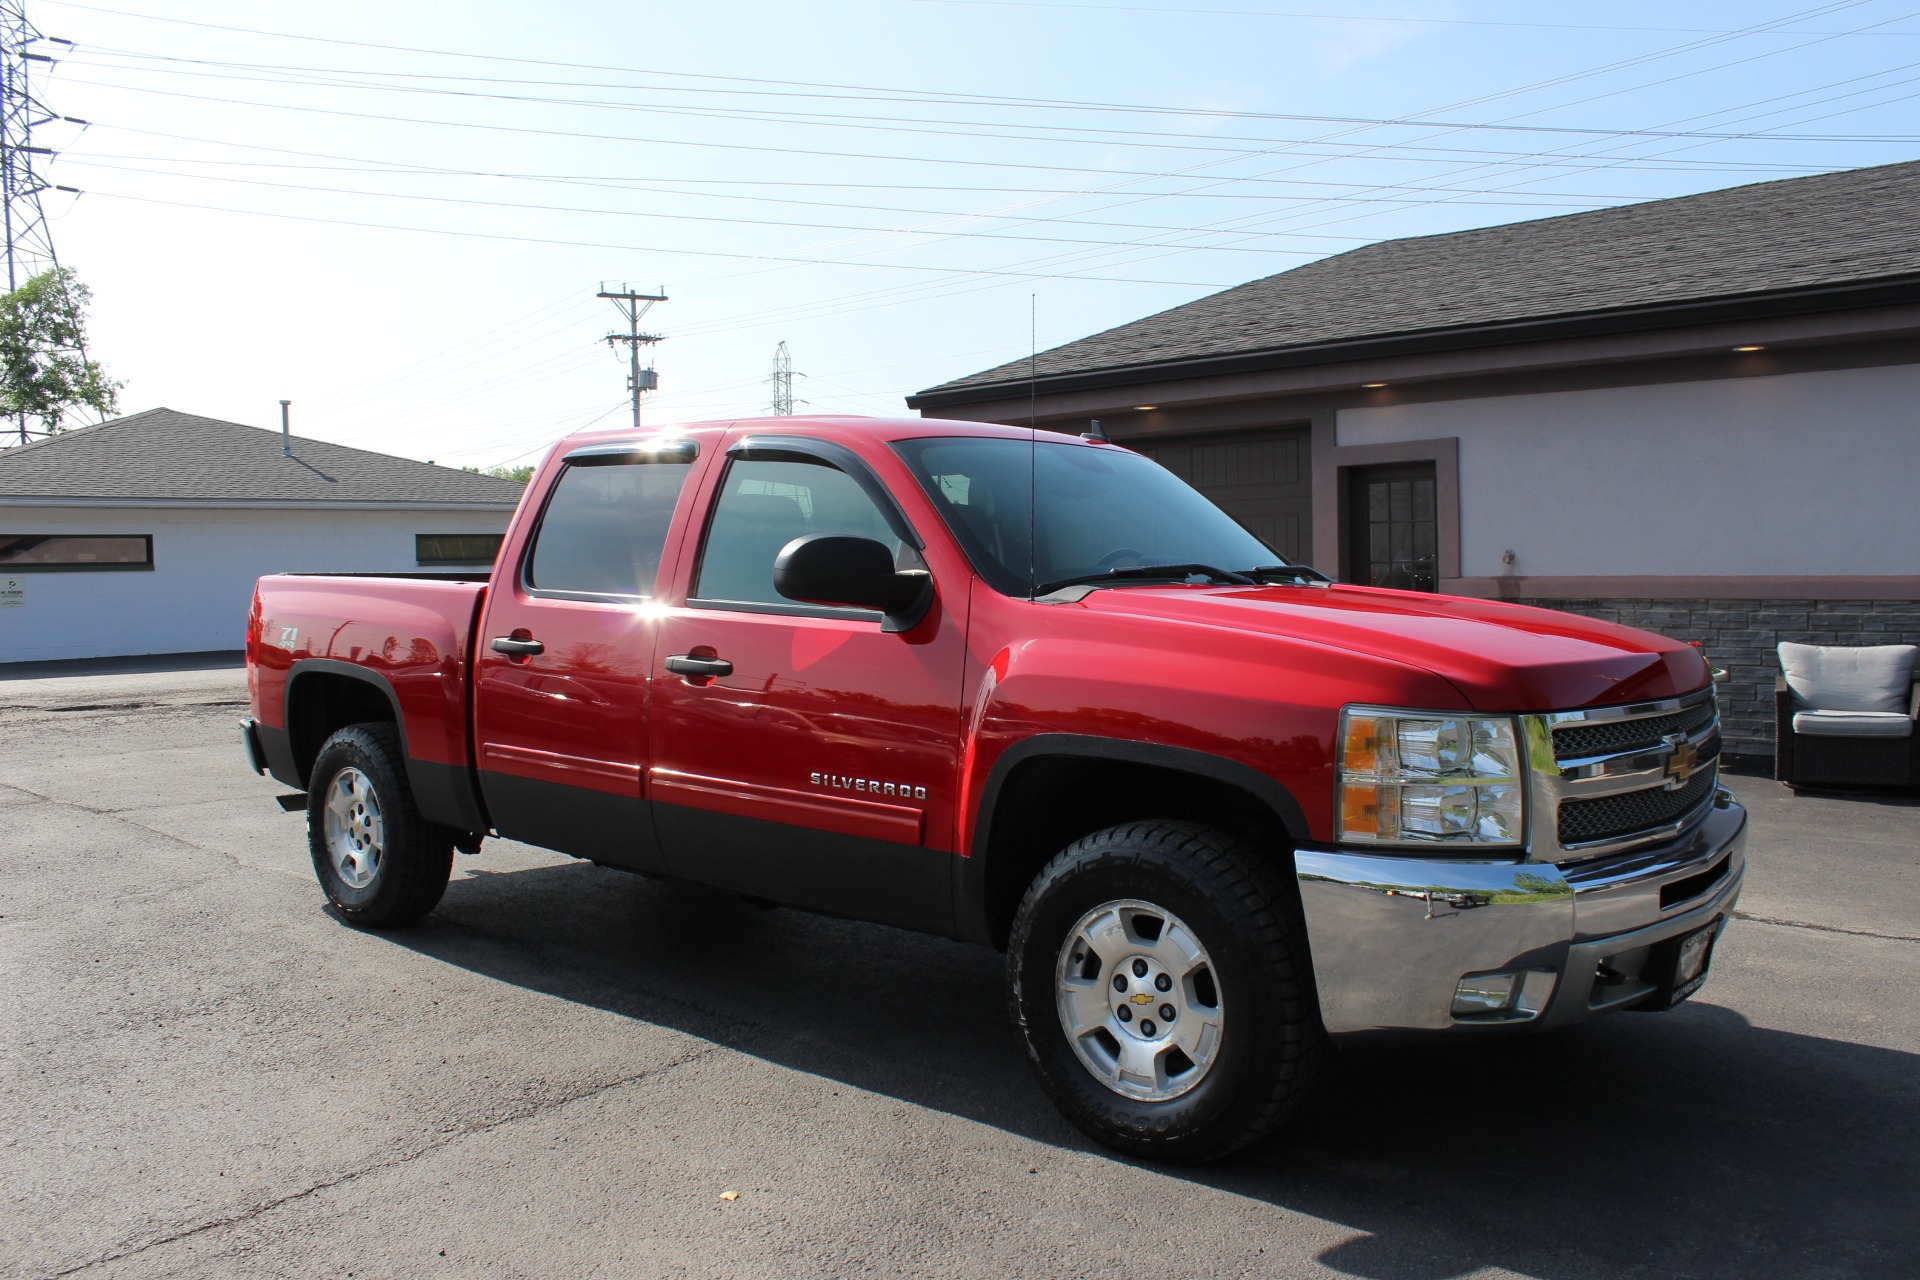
pixel 782 381
pixel 29 240
pixel 632 305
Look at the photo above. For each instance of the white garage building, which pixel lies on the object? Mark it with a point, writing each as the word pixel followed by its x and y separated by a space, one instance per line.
pixel 144 535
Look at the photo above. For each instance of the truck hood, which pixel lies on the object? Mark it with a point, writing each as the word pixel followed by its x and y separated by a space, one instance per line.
pixel 1502 657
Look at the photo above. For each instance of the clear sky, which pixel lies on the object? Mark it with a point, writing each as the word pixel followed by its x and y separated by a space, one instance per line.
pixel 397 214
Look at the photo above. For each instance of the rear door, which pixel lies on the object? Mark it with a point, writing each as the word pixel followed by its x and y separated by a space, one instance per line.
pixel 565 644
pixel 815 765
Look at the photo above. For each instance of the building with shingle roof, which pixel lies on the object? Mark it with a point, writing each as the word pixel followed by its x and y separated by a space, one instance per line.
pixel 1700 415
pixel 144 535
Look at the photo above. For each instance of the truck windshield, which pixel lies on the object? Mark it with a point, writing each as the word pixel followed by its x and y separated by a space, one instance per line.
pixel 1099 510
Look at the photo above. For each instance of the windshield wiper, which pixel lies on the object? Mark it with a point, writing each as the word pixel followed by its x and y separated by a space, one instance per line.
pixel 1147 571
pixel 1298 572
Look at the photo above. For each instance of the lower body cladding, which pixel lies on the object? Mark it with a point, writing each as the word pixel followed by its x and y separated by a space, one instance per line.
pixel 1404 944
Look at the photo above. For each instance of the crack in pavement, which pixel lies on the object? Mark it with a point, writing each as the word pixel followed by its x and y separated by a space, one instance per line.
pixel 393 1162
pixel 120 815
pixel 1825 928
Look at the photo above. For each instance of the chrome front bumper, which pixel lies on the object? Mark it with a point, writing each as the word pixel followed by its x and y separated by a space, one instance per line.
pixel 1392 937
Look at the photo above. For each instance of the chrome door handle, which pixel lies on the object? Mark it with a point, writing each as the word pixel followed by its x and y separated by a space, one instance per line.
pixel 517 648
pixel 685 664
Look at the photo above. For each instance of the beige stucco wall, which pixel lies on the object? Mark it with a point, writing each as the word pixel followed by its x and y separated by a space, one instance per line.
pixel 1807 473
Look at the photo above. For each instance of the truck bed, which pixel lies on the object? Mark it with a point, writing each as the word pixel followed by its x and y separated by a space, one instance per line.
pixel 407 637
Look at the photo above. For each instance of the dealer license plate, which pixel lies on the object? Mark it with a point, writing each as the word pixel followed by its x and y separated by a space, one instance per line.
pixel 1690 967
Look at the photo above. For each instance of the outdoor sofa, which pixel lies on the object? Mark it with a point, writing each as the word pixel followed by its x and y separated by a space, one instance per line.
pixel 1844 716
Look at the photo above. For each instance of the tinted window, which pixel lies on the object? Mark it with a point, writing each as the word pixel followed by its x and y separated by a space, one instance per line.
pixel 76 551
pixel 1098 509
pixel 765 505
pixel 605 527
pixel 456 548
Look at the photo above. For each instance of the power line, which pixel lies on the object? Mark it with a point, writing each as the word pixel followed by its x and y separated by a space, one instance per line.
pixel 330 77
pixel 709 218
pixel 630 248
pixel 907 94
pixel 1345 17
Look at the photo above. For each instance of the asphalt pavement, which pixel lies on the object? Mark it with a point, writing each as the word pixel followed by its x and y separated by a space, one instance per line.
pixel 562 1071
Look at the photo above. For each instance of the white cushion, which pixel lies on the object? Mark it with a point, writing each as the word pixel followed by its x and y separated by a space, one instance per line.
pixel 1832 677
pixel 1853 724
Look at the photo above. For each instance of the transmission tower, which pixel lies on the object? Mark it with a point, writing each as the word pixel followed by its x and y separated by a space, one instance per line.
pixel 782 381
pixel 29 240
pixel 632 306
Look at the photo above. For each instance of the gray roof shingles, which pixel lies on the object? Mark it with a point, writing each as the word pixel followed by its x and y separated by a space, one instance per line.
pixel 1834 228
pixel 162 455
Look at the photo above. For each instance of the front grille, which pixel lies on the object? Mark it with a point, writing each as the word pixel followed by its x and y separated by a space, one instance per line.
pixel 1609 736
pixel 1605 817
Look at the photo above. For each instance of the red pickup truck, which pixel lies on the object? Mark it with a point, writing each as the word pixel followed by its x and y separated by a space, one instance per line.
pixel 1037 693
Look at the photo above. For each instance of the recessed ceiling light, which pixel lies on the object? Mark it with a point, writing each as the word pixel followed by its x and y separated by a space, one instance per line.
pixel 1373 384
pixel 1755 347
pixel 1142 408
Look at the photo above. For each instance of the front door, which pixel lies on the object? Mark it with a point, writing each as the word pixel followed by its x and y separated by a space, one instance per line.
pixel 563 653
pixel 1393 533
pixel 801 753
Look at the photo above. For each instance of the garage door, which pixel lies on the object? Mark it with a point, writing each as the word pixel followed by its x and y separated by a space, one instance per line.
pixel 1261 478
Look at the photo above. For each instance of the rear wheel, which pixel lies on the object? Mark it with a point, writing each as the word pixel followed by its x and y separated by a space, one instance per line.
pixel 380 863
pixel 1159 974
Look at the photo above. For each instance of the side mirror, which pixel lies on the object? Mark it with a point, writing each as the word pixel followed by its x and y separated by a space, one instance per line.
pixel 826 568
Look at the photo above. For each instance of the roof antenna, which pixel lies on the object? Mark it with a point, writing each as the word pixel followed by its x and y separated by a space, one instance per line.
pixel 286 432
pixel 1094 432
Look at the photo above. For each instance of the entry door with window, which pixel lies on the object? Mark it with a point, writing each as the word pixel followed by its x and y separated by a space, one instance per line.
pixel 1393 527
pixel 800 752
pixel 564 647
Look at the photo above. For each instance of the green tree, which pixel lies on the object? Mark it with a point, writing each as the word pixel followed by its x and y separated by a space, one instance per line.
pixel 521 474
pixel 44 369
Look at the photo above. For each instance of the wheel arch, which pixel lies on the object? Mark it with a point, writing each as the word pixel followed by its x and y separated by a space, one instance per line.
pixel 1049 790
pixel 324 695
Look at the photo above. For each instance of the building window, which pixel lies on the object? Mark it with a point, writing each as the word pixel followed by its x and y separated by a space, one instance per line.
pixel 456 548
pixel 1394 527
pixel 75 553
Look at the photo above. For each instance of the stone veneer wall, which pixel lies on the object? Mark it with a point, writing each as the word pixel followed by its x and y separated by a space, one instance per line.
pixel 1740 635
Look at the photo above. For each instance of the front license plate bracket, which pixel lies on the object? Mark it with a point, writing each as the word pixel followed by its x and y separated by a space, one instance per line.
pixel 1682 964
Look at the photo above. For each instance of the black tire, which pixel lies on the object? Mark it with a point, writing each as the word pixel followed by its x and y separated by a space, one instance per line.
pixel 416 856
pixel 1239 900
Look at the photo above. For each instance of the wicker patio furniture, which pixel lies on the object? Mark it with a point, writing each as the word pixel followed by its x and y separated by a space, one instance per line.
pixel 1844 716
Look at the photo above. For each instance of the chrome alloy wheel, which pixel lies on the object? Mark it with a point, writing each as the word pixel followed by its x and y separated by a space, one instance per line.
pixel 1139 1001
pixel 356 836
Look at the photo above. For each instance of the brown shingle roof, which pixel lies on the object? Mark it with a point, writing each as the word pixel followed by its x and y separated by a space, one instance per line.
pixel 181 457
pixel 1769 237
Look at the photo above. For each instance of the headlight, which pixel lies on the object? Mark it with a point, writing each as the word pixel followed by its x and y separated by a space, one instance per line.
pixel 1410 778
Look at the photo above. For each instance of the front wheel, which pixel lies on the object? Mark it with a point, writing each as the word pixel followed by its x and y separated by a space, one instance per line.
pixel 380 863
pixel 1158 972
